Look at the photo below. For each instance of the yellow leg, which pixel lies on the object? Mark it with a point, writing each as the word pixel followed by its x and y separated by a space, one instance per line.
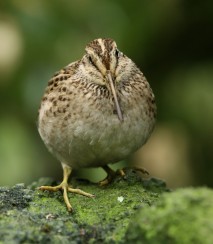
pixel 111 174
pixel 65 187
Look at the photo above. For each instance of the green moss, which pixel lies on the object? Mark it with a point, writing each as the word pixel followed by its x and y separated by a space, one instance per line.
pixel 184 216
pixel 42 217
pixel 31 216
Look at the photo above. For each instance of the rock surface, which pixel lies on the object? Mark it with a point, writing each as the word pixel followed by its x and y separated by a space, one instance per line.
pixel 130 210
pixel 183 217
pixel 31 216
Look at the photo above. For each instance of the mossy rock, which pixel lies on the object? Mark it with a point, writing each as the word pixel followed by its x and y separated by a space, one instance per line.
pixel 184 216
pixel 28 215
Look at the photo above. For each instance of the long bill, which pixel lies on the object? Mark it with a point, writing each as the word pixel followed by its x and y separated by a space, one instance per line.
pixel 112 87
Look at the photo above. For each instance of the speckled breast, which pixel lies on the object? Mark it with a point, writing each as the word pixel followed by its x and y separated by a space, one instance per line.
pixel 88 133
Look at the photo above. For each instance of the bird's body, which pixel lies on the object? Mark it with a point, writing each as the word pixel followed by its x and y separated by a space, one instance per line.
pixel 97 110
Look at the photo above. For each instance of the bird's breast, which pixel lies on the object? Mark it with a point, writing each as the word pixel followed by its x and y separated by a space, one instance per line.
pixel 88 132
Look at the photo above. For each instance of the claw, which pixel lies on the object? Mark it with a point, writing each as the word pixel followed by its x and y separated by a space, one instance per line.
pixel 66 188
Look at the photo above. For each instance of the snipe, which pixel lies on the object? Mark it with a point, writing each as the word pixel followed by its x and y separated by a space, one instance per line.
pixel 96 111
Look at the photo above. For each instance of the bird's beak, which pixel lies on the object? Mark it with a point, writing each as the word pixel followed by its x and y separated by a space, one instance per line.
pixel 112 87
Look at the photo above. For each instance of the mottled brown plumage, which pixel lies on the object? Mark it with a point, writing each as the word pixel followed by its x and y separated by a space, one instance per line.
pixel 96 111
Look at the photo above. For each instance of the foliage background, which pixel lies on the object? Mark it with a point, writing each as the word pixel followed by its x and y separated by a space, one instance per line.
pixel 171 41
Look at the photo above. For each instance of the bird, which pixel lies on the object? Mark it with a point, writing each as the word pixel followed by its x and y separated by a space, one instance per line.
pixel 96 111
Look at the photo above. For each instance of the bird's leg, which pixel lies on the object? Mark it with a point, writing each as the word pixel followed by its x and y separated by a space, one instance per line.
pixel 65 187
pixel 111 174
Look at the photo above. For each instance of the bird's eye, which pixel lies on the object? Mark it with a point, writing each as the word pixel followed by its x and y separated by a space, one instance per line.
pixel 117 53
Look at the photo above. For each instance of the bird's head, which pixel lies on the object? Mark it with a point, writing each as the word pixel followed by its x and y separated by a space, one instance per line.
pixel 102 57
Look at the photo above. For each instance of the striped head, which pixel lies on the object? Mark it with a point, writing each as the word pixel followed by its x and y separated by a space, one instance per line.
pixel 103 54
pixel 103 58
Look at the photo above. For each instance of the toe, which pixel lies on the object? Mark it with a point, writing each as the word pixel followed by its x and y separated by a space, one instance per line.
pixel 80 192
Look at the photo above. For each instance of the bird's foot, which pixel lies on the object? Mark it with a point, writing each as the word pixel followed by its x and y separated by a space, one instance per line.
pixel 66 188
pixel 111 174
pixel 139 169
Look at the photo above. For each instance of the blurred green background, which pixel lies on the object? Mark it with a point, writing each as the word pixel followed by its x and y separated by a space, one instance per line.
pixel 172 43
